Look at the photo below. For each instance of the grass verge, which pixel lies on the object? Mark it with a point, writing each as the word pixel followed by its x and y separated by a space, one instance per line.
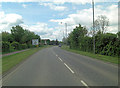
pixel 95 56
pixel 10 61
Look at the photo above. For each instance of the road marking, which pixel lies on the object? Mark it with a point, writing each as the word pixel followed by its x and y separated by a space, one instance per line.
pixel 56 55
pixel 69 68
pixel 60 59
pixel 84 83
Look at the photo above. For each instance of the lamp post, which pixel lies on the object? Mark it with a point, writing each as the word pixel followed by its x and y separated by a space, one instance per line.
pixel 65 29
pixel 93 27
pixel 66 33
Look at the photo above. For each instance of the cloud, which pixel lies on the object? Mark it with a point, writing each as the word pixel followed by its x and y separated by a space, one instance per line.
pixel 41 29
pixel 54 7
pixel 61 1
pixel 84 17
pixel 24 5
pixel 44 31
pixel 9 20
pixel 0 5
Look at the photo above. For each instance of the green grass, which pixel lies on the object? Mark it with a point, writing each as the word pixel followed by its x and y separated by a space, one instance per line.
pixel 95 56
pixel 10 61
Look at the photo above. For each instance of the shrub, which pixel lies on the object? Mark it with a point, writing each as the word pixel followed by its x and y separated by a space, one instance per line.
pixel 11 49
pixel 29 45
pixel 5 46
pixel 16 45
pixel 24 46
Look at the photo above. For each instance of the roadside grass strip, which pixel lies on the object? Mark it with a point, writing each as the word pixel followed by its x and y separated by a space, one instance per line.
pixel 110 59
pixel 10 61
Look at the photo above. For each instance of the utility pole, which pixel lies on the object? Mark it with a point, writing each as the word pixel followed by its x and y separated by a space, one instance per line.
pixel 63 34
pixel 66 29
pixel 93 27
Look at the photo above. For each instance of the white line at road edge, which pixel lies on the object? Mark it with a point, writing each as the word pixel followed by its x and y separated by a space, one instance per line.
pixel 84 83
pixel 69 68
pixel 60 59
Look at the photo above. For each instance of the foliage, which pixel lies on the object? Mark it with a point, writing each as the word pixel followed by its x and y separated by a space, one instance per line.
pixel 16 45
pixel 75 37
pixel 106 43
pixel 7 37
pixel 45 42
pixel 101 23
pixel 17 33
pixel 19 38
pixel 24 46
pixel 94 56
pixel 23 36
pixel 54 42
pixel 5 46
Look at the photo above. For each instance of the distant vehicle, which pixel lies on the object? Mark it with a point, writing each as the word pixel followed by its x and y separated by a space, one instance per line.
pixel 60 45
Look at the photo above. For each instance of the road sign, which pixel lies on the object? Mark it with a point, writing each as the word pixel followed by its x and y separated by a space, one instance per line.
pixel 34 41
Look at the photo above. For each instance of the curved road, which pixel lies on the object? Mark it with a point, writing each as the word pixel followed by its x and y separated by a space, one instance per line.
pixel 56 67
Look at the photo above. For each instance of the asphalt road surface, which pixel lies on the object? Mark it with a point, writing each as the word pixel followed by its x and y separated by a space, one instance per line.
pixel 56 67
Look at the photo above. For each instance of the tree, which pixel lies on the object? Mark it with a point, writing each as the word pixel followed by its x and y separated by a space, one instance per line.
pixel 75 37
pixel 101 23
pixel 57 42
pixel 17 33
pixel 7 37
pixel 118 35
pixel 23 36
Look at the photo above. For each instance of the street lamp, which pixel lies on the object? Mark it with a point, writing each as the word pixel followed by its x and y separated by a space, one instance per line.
pixel 65 29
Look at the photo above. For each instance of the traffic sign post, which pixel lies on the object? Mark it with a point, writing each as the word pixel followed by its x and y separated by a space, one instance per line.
pixel 35 42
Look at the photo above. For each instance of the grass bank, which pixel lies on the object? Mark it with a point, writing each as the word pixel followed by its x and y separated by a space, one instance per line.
pixel 95 56
pixel 10 61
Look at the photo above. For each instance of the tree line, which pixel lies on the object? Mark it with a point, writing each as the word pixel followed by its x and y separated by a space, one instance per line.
pixel 105 43
pixel 18 39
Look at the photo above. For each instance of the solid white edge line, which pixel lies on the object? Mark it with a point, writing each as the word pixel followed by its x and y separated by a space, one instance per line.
pixel 69 68
pixel 60 59
pixel 84 83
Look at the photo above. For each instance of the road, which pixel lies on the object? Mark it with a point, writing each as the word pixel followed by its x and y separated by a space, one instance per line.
pixel 56 67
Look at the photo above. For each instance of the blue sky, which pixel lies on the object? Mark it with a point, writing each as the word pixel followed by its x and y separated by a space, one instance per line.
pixel 46 16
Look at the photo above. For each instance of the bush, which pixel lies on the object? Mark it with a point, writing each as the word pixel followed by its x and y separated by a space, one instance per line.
pixel 11 49
pixel 24 46
pixel 29 45
pixel 5 46
pixel 16 45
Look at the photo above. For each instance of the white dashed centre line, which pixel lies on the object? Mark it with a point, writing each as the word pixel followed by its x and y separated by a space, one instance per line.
pixel 60 59
pixel 84 83
pixel 69 68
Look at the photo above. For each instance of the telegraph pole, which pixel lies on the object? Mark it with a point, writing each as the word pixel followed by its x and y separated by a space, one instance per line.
pixel 66 29
pixel 63 34
pixel 93 27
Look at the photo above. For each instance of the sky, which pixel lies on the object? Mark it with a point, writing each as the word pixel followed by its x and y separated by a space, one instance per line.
pixel 47 18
